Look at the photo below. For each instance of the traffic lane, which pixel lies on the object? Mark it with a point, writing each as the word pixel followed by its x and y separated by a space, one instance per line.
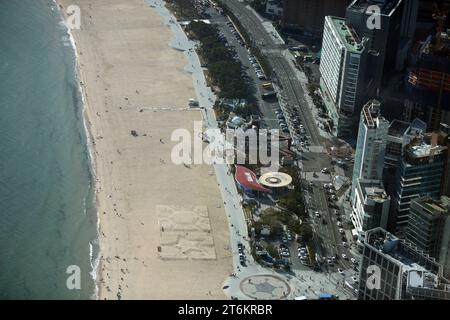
pixel 294 95
pixel 266 109
pixel 247 17
pixel 254 26
pixel 315 162
pixel 298 99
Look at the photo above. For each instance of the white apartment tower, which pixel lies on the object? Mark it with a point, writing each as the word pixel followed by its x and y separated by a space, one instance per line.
pixel 341 70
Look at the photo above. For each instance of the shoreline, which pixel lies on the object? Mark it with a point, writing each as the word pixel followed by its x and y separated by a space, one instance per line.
pixel 94 255
pixel 101 281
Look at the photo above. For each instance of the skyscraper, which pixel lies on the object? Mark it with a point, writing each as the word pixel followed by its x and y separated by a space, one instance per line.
pixel 420 173
pixel 393 269
pixel 341 69
pixel 359 53
pixel 370 207
pixel 370 146
pixel 429 228
pixel 384 38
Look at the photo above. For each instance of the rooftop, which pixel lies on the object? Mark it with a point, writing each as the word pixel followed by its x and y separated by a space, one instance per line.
pixel 376 193
pixel 371 114
pixel 347 35
pixel 373 190
pixel 424 150
pixel 434 207
pixel 422 271
pixel 398 128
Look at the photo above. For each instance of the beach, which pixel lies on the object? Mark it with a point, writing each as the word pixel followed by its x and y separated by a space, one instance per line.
pixel 163 230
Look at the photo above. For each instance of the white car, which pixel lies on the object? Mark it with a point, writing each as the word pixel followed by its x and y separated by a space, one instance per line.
pixel 344 256
pixel 341 231
pixel 355 279
pixel 353 260
pixel 317 214
pixel 340 271
pixel 344 244
pixel 339 224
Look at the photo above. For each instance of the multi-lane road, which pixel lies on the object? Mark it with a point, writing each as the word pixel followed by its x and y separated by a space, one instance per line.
pixel 329 242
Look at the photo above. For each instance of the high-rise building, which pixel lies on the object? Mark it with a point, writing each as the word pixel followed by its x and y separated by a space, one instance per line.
pixel 420 173
pixel 400 134
pixel 429 228
pixel 309 15
pixel 428 83
pixel 394 269
pixel 384 39
pixel 342 73
pixel 407 32
pixel 370 208
pixel 359 54
pixel 370 146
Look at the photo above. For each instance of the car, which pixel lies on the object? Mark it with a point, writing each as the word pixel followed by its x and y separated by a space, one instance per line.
pixel 344 244
pixel 339 224
pixel 325 170
pixel 355 279
pixel 341 231
pixel 285 254
pixel 344 256
pixel 340 271
pixel 324 222
pixel 353 260
pixel 317 214
pixel 285 130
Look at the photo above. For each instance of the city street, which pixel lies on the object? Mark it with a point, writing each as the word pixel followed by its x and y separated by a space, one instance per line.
pixel 329 242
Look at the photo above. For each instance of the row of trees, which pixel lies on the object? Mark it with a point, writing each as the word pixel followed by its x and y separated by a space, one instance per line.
pixel 183 9
pixel 224 71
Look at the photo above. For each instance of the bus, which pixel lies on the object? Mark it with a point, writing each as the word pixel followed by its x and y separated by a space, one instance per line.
pixel 267 86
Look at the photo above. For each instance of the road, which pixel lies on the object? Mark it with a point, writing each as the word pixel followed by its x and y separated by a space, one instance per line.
pixel 328 239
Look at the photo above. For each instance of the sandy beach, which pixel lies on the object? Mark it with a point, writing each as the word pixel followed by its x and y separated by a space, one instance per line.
pixel 163 228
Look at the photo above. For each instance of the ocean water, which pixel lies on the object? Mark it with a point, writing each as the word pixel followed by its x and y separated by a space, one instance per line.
pixel 47 213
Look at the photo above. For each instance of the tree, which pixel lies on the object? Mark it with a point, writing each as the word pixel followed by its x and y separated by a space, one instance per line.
pixel 306 233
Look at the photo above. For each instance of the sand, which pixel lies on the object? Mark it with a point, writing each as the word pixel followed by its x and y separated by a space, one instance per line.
pixel 145 202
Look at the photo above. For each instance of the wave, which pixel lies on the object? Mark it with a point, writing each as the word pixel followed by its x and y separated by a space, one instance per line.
pixel 94 253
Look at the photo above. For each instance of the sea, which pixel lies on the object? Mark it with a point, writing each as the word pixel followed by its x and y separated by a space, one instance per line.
pixel 48 221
